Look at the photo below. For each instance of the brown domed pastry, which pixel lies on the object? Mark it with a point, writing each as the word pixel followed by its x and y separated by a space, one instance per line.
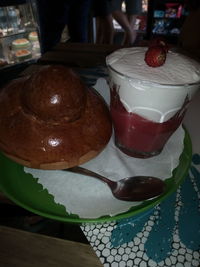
pixel 51 120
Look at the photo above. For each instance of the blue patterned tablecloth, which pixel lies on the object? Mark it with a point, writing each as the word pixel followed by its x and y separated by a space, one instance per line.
pixel 167 235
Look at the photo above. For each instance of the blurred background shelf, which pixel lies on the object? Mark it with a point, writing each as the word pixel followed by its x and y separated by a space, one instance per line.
pixel 19 38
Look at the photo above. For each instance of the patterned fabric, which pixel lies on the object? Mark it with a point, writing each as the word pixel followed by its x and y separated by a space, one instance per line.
pixel 168 235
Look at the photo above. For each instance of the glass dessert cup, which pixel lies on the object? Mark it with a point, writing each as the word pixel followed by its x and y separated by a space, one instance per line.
pixel 145 114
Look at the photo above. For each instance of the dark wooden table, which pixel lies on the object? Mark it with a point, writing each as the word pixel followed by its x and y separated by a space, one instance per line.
pixel 79 55
pixel 24 249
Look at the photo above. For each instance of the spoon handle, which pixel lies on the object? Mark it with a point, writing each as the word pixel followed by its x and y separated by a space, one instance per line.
pixel 87 172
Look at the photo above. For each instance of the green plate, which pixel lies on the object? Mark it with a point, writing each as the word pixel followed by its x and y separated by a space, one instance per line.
pixel 24 190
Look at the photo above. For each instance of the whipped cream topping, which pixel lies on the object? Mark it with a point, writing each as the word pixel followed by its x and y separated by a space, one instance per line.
pixel 178 69
pixel 154 93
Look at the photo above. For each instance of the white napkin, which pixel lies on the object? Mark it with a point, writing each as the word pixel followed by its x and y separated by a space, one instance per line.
pixel 91 198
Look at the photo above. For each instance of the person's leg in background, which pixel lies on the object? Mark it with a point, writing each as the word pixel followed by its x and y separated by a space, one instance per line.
pixel 133 9
pixel 78 20
pixel 105 30
pixel 123 21
pixel 104 22
pixel 52 19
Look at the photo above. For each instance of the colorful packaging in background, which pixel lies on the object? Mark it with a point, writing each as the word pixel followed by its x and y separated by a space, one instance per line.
pixel 173 10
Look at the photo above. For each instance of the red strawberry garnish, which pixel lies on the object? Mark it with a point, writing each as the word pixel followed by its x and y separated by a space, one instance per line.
pixel 155 56
pixel 159 42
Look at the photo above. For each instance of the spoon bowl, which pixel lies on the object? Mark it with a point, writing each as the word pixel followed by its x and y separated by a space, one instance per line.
pixel 136 188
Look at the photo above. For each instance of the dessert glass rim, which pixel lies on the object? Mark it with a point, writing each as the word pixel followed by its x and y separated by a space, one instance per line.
pixel 152 82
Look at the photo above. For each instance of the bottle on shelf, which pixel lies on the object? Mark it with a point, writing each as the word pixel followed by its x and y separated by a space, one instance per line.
pixel 13 19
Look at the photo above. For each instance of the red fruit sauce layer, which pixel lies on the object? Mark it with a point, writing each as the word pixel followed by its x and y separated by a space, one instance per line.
pixel 138 136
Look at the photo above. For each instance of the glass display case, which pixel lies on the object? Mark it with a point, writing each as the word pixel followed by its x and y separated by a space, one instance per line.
pixel 19 39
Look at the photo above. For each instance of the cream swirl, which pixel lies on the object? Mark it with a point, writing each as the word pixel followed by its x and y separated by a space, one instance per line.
pixel 178 68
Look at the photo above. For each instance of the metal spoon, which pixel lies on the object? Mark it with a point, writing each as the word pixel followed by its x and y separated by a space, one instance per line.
pixel 136 188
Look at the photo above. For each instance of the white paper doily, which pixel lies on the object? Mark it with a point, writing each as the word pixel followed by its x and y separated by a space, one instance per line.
pixel 90 198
